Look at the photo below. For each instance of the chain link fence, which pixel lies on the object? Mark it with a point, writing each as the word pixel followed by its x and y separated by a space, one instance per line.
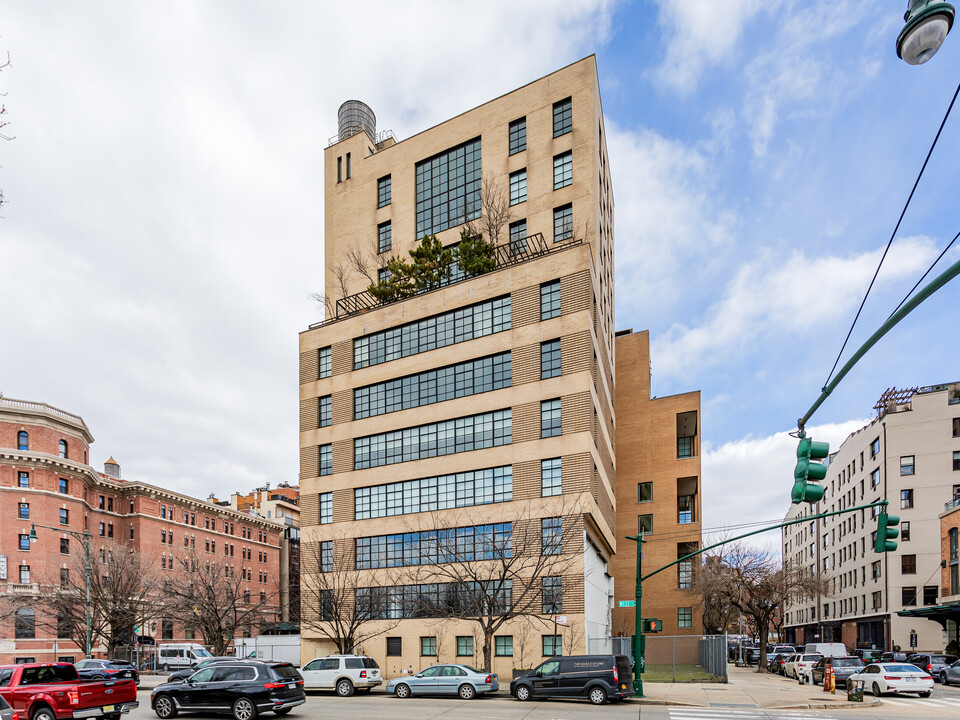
pixel 672 658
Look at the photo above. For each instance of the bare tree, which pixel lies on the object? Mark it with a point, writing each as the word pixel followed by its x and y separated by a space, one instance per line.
pixel 4 123
pixel 122 591
pixel 501 571
pixel 495 212
pixel 753 581
pixel 210 597
pixel 330 587
pixel 441 631
pixel 573 638
pixel 523 639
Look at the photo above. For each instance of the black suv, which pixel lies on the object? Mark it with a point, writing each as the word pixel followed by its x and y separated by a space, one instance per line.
pixel 94 669
pixel 596 677
pixel 187 672
pixel 243 688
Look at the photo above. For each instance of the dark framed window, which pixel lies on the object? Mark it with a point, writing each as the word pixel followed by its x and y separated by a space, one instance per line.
pixel 552 595
pixel 563 223
pixel 551 475
pixel 384 237
pixel 394 647
pixel 549 359
pixel 518 136
pixel 684 617
pixel 518 237
pixel 64 546
pixel 326 556
pixel 324 363
pixel 23 440
pixel 448 188
pixel 24 574
pixel 908 596
pixel 340 168
pixel 326 459
pixel 875 477
pixel 464 646
pixel 905 531
pixel 550 424
pixel 644 492
pixel 518 187
pixel 23 479
pixel 383 274
pixel 64 516
pixel 908 564
pixel 428 646
pixel 550 300
pixel 684 447
pixel 63 448
pixel 875 448
pixel 906 499
pixel 64 486
pixel 907 466
pixel 552 645
pixel 64 577
pixel 25 624
pixel 326 410
pixel 956 459
pixel 465 489
pixel 348 166
pixel 462 544
pixel 383 192
pixel 563 170
pixel 645 524
pixel 166 629
pixel 562 117
pixel 503 645
pixel 551 540
pixel 684 509
pixel 326 508
pixel 24 542
pixel 23 511
pixel 685 574
pixel 930 593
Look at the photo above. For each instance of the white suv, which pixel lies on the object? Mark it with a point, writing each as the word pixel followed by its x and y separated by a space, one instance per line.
pixel 343 673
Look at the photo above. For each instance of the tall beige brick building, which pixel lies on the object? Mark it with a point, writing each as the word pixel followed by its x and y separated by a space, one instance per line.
pixel 484 407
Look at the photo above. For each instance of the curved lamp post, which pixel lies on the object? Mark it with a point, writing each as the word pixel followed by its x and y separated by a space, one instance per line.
pixel 926 24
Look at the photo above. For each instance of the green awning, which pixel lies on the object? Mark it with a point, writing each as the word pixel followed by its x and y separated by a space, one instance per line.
pixel 937 613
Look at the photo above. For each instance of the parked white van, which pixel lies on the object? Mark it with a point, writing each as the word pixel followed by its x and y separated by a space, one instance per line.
pixel 176 656
pixel 826 649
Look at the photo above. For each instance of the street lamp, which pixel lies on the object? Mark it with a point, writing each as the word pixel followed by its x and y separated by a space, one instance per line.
pixel 83 537
pixel 926 24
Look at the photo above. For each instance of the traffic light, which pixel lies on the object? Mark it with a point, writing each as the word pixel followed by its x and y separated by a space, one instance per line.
pixel 886 531
pixel 651 625
pixel 803 489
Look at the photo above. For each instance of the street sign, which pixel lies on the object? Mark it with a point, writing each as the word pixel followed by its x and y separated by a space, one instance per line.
pixel 627 603
pixel 561 620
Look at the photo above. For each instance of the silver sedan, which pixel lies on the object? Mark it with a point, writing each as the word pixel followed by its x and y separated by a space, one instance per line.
pixel 951 674
pixel 460 680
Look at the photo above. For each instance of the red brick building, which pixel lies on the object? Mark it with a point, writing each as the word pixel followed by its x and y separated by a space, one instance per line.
pixel 45 480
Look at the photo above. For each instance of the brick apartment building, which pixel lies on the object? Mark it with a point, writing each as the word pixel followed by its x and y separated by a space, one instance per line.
pixel 485 406
pixel 46 480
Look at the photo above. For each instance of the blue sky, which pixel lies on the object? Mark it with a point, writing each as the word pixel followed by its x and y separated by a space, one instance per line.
pixel 165 217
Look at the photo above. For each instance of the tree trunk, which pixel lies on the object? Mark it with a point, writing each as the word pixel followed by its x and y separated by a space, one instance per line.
pixel 763 630
pixel 487 651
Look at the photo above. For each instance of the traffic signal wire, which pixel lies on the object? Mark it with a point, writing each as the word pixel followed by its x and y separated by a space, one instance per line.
pixel 929 270
pixel 893 235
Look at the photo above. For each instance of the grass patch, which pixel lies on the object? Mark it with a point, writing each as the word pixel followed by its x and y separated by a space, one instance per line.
pixel 684 674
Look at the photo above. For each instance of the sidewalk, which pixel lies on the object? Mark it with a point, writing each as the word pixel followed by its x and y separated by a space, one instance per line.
pixel 747 689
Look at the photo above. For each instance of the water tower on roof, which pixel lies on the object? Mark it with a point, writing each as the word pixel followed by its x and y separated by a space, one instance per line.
pixel 354 116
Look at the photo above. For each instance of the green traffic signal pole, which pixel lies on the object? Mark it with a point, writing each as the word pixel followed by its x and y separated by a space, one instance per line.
pixel 935 284
pixel 638 640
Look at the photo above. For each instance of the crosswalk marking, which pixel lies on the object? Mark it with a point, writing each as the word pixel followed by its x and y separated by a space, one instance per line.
pixel 711 713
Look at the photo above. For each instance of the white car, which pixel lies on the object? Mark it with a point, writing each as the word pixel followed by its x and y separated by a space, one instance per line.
pixel 880 678
pixel 343 673
pixel 798 665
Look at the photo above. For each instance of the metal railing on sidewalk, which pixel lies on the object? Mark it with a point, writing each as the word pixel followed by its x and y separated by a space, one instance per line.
pixel 672 658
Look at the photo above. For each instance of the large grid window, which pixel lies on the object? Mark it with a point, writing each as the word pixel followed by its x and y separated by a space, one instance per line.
pixel 478 487
pixel 433 600
pixel 562 117
pixel 685 574
pixel 563 223
pixel 432 547
pixel 448 188
pixel 326 459
pixel 433 386
pixel 326 508
pixel 518 187
pixel 518 136
pixel 563 170
pixel 551 536
pixel 428 646
pixel 326 556
pixel 518 237
pixel 685 447
pixel 464 434
pixel 551 477
pixel 549 359
pixel 325 364
pixel 464 645
pixel 550 418
pixel 503 645
pixel 383 191
pixel 326 410
pixel 552 645
pixel 384 237
pixel 448 328
pixel 684 617
pixel 552 595
pixel 550 300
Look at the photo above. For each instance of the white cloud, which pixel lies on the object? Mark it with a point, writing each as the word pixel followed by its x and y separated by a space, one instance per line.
pixel 772 297
pixel 749 480
pixel 699 33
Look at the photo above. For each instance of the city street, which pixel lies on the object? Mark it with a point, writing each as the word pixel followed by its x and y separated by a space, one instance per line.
pixel 945 703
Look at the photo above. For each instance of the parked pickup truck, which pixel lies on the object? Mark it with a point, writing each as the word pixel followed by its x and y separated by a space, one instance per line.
pixel 54 691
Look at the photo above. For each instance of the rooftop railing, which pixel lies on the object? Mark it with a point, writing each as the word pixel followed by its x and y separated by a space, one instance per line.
pixel 40 407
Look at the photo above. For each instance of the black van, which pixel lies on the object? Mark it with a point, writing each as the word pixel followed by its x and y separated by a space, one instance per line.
pixel 596 677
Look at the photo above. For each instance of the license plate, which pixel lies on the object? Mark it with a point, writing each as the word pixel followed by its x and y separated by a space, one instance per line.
pixel 108 708
pixel 910 679
pixel 292 686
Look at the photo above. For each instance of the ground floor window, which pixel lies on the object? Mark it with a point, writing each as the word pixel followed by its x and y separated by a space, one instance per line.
pixel 552 645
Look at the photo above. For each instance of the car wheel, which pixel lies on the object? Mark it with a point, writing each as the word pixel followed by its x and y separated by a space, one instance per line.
pixel 598 696
pixel 44 713
pixel 402 691
pixel 522 692
pixel 164 707
pixel 467 692
pixel 876 690
pixel 943 679
pixel 924 694
pixel 344 688
pixel 282 711
pixel 244 709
